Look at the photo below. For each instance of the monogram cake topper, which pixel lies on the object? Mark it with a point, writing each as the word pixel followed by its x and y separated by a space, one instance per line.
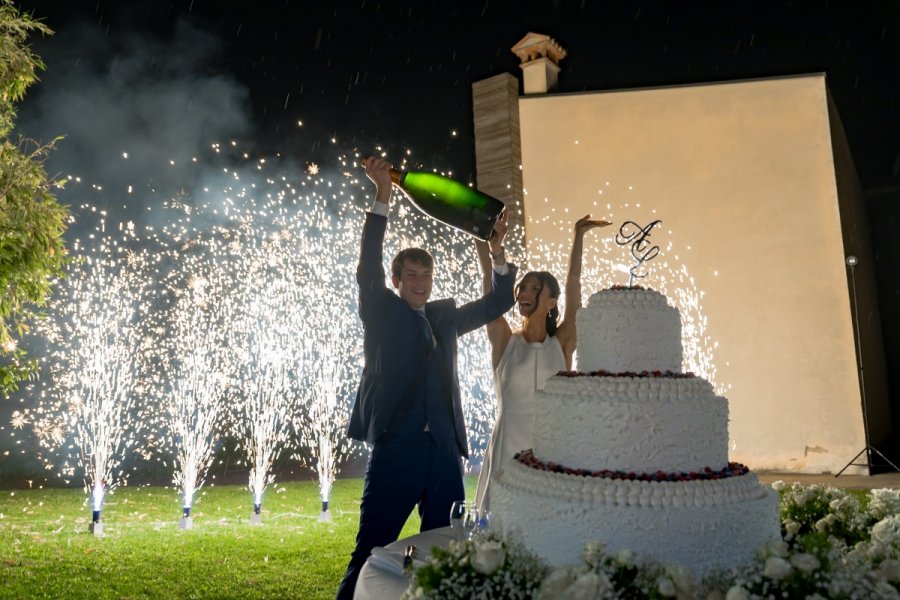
pixel 635 235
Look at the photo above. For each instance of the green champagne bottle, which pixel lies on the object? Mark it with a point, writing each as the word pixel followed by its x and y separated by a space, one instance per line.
pixel 449 201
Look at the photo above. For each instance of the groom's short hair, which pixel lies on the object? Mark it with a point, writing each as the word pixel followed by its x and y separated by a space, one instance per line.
pixel 416 255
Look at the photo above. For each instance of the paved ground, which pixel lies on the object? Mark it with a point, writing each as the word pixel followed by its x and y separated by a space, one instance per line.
pixel 850 482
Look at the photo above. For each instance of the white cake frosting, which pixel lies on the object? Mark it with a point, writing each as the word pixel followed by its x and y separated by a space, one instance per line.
pixel 703 525
pixel 637 462
pixel 629 330
pixel 631 423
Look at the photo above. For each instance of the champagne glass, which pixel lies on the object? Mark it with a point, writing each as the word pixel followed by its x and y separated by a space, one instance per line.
pixel 483 520
pixel 477 521
pixel 458 515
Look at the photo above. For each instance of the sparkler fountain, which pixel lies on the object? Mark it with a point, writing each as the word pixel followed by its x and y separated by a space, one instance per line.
pixel 258 333
pixel 199 358
pixel 322 429
pixel 267 330
pixel 292 256
pixel 88 411
pixel 332 372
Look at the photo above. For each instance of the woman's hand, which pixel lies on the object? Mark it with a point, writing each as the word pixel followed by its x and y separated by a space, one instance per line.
pixel 585 223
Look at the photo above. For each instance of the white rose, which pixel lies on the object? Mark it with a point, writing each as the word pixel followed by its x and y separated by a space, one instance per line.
pixel 411 594
pixel 556 582
pixel 604 585
pixel 593 552
pixel 777 568
pixel 488 556
pixel 737 593
pixel 803 497
pixel 778 485
pixel 779 548
pixel 884 502
pixel 791 527
pixel 588 586
pixel 886 591
pixel 805 563
pixel 841 503
pixel 666 587
pixel 625 557
pixel 887 531
pixel 878 509
pixel 683 578
pixel 824 523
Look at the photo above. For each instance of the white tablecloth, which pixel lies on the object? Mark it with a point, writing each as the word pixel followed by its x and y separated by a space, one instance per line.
pixel 375 583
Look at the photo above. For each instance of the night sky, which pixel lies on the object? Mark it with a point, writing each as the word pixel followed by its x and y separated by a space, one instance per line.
pixel 400 73
pixel 163 80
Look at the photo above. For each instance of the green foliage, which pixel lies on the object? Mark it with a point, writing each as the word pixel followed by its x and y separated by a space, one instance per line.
pixel 32 222
pixel 818 509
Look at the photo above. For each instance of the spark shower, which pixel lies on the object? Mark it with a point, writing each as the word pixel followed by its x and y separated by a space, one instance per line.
pixel 231 314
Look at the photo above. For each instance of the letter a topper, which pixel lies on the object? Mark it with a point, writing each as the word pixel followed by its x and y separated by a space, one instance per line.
pixel 632 233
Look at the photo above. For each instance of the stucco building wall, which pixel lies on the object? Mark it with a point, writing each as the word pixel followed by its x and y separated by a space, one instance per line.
pixel 743 176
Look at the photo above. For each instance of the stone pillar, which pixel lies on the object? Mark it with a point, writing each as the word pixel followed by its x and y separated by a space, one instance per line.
pixel 498 151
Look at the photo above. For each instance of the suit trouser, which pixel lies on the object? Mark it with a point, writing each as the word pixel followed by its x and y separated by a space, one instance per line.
pixel 400 475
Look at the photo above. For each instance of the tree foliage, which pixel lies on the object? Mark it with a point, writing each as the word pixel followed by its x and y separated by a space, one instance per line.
pixel 32 221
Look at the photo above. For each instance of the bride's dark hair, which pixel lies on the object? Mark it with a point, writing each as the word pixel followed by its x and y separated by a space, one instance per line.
pixel 547 281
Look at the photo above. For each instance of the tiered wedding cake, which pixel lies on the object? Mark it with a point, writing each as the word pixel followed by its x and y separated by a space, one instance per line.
pixel 632 452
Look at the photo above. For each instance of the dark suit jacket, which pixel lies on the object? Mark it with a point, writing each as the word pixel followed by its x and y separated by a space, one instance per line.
pixel 392 339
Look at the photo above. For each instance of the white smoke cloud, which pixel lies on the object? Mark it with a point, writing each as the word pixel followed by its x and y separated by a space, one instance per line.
pixel 135 110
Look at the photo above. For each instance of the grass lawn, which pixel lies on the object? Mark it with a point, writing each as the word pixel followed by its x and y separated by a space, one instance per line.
pixel 47 552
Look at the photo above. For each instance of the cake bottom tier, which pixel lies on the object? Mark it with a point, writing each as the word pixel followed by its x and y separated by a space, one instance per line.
pixel 703 525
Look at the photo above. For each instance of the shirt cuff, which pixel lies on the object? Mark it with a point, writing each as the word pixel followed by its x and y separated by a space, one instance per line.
pixel 380 208
pixel 501 269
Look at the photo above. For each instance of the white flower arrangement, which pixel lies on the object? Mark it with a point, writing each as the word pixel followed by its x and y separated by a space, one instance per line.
pixel 486 566
pixel 835 545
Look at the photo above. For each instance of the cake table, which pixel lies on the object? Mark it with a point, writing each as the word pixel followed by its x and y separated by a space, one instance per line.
pixel 381 580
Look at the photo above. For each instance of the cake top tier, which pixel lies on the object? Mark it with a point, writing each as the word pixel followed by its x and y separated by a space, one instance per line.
pixel 627 296
pixel 629 329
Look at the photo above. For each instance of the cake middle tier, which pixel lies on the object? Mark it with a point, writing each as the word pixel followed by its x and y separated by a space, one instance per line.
pixel 624 423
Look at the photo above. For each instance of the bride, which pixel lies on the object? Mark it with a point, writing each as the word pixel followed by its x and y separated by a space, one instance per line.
pixel 522 361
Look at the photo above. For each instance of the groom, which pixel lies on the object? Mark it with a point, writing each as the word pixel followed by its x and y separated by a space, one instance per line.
pixel 408 403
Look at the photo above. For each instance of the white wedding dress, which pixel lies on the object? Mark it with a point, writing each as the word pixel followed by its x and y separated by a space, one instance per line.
pixel 524 368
